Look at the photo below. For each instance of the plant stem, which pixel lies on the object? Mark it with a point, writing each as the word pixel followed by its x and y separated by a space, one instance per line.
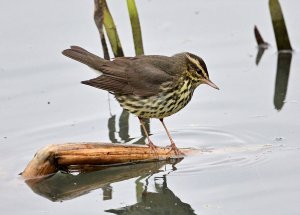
pixel 136 28
pixel 98 18
pixel 279 27
pixel 111 31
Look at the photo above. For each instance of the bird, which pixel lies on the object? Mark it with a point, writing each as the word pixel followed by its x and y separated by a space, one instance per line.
pixel 148 86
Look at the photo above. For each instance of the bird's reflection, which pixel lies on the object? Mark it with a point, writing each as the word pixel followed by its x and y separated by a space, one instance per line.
pixel 282 78
pixel 161 201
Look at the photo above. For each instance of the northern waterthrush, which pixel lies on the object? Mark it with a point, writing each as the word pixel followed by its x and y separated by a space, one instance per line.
pixel 149 86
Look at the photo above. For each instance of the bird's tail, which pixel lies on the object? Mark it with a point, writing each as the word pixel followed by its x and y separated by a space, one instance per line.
pixel 79 54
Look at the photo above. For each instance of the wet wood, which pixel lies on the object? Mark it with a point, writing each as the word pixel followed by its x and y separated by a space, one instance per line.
pixel 53 158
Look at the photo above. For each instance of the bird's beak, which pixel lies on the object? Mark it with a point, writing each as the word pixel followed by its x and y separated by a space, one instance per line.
pixel 210 83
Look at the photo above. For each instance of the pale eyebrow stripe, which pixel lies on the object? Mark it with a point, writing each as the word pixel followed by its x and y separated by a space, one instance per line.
pixel 196 62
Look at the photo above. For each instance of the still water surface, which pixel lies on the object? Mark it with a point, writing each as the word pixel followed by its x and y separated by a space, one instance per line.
pixel 248 132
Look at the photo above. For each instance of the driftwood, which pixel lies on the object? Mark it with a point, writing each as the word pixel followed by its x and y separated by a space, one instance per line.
pixel 53 158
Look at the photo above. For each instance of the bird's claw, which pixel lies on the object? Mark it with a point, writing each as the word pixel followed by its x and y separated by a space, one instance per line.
pixel 153 148
pixel 175 149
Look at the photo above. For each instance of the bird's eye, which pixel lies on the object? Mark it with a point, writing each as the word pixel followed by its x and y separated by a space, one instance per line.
pixel 199 71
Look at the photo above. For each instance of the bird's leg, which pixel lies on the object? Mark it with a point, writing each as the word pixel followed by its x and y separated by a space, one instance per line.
pixel 173 146
pixel 150 143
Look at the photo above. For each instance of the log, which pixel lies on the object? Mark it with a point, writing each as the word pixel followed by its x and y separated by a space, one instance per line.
pixel 53 158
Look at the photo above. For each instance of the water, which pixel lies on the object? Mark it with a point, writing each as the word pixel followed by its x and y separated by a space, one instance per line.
pixel 248 132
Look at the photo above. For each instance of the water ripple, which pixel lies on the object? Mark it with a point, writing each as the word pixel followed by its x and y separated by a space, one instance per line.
pixel 219 148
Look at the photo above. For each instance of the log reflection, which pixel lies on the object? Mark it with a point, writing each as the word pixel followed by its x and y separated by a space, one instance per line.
pixel 63 186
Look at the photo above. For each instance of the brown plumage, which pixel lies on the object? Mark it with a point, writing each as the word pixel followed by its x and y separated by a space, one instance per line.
pixel 149 86
pixel 141 76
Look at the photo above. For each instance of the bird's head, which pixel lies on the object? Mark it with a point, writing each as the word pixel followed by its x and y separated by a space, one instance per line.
pixel 197 70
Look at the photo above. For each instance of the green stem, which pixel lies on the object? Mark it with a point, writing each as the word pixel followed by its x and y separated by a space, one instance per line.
pixel 98 18
pixel 111 31
pixel 279 27
pixel 136 28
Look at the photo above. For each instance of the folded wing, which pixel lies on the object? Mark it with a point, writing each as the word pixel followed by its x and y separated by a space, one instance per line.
pixel 140 76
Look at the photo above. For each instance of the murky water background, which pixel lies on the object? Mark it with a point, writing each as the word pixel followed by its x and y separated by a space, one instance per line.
pixel 249 161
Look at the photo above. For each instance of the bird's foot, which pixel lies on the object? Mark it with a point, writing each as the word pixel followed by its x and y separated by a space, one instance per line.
pixel 153 148
pixel 175 150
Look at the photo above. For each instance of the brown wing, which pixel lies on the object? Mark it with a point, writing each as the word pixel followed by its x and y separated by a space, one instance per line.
pixel 79 54
pixel 134 76
pixel 145 77
pixel 112 84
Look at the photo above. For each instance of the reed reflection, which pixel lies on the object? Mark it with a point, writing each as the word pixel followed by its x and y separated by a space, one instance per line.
pixel 284 59
pixel 282 78
pixel 123 132
pixel 260 52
